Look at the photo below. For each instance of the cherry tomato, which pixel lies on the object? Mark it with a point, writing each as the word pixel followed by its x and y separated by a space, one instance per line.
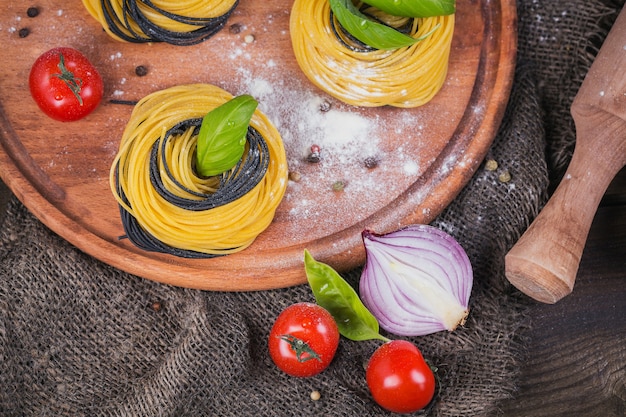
pixel 65 85
pixel 399 378
pixel 303 340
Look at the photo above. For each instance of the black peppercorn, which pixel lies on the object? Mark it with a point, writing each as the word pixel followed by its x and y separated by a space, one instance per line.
pixel 141 70
pixel 371 162
pixel 32 12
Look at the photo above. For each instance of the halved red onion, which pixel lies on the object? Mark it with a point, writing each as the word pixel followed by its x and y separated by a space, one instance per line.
pixel 416 280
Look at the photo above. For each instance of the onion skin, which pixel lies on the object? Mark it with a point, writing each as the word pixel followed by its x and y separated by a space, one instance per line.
pixel 416 280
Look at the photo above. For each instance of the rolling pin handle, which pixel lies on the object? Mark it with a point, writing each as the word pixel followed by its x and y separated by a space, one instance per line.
pixel 544 262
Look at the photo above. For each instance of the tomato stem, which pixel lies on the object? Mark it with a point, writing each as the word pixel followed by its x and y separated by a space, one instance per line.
pixel 73 83
pixel 301 348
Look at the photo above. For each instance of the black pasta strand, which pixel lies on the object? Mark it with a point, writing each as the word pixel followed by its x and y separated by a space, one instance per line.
pixel 114 24
pixel 156 164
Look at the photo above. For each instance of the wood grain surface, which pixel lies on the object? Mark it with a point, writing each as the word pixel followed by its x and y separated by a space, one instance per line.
pixel 60 171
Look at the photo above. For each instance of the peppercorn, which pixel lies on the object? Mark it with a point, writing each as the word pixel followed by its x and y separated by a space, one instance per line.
pixel 339 186
pixel 370 162
pixel 315 154
pixel 295 176
pixel 235 28
pixel 505 176
pixel 32 12
pixel 491 165
pixel 141 70
pixel 24 32
pixel 325 106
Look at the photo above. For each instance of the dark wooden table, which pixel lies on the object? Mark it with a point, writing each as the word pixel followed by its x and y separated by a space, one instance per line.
pixel 577 362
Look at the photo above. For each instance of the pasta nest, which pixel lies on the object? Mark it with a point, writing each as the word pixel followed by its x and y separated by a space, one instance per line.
pixel 166 206
pixel 405 77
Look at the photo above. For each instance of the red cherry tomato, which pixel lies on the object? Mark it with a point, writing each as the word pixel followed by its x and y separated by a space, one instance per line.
pixel 303 340
pixel 399 378
pixel 65 85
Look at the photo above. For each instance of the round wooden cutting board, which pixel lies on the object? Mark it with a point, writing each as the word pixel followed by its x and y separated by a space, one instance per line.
pixel 424 156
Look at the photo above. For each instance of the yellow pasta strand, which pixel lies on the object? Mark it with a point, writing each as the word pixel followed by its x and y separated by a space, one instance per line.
pixel 405 77
pixel 221 230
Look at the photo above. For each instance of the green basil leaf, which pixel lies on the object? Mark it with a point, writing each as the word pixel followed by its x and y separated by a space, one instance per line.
pixel 222 136
pixel 414 8
pixel 333 293
pixel 369 32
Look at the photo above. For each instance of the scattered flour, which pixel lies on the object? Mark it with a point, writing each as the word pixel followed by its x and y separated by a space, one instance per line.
pixel 347 137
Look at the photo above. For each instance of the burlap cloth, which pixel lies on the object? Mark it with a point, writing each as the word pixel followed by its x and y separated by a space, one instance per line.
pixel 78 338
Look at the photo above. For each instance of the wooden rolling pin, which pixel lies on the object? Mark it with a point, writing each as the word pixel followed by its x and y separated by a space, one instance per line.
pixel 544 262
